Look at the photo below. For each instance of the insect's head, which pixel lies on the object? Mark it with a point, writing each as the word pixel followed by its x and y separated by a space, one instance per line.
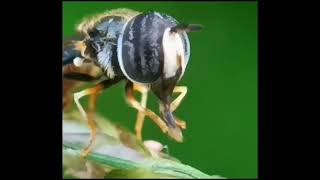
pixel 153 45
pixel 154 49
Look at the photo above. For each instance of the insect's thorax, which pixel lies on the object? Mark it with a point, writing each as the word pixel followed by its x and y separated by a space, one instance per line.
pixel 102 44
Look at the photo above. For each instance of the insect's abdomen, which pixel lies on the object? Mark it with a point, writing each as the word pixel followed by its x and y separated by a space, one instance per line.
pixel 69 86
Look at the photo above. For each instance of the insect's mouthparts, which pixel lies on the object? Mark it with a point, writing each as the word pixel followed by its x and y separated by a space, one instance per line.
pixel 170 119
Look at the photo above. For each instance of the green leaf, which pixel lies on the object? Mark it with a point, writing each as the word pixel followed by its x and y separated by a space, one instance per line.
pixel 135 173
pixel 117 154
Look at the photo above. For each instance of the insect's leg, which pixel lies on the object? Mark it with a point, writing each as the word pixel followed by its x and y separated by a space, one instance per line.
pixel 72 81
pixel 140 118
pixel 89 117
pixel 183 91
pixel 131 99
pixel 91 110
pixel 174 105
pixel 180 123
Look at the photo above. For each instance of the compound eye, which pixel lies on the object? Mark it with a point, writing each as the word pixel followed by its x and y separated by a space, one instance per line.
pixel 139 48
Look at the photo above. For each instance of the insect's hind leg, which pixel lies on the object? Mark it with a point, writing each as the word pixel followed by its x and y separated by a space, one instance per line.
pixel 93 92
pixel 90 116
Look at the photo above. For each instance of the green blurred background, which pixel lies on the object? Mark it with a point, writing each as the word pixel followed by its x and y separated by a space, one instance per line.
pixel 221 105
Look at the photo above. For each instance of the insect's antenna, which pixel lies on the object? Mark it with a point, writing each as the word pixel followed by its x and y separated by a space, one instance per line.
pixel 186 28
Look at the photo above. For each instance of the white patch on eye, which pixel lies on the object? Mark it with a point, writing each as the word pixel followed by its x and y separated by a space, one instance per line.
pixel 185 36
pixel 187 53
pixel 78 61
pixel 172 47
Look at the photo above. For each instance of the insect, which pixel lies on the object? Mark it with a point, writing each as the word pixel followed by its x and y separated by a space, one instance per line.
pixel 150 51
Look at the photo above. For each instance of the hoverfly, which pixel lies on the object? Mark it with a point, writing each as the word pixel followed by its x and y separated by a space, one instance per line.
pixel 150 51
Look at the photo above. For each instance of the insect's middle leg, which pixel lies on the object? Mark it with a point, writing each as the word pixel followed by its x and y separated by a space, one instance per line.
pixel 141 115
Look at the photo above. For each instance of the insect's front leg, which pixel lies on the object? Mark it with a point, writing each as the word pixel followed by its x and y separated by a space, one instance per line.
pixel 141 115
pixel 135 104
pixel 174 105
